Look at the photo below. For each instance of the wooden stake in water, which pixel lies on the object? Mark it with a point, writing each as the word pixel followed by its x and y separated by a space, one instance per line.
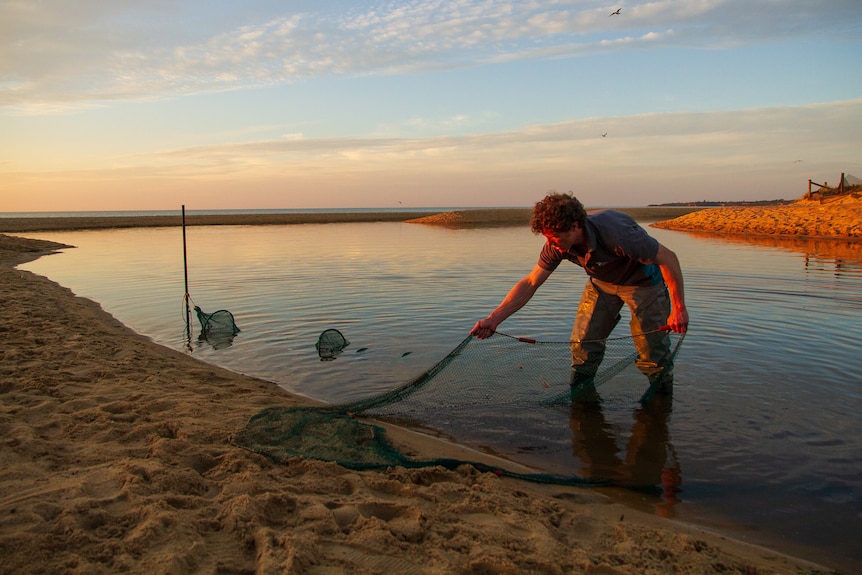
pixel 186 276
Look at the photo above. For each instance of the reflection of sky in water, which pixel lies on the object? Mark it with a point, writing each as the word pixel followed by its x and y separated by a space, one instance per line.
pixel 768 398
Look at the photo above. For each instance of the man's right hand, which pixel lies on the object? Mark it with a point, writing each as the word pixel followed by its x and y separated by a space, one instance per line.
pixel 483 329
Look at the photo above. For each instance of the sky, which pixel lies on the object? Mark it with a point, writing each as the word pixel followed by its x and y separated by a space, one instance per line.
pixel 294 104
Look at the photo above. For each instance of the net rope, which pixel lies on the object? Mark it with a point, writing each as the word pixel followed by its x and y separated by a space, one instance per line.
pixel 499 390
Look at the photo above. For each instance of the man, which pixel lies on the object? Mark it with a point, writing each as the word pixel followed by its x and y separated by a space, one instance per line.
pixel 625 265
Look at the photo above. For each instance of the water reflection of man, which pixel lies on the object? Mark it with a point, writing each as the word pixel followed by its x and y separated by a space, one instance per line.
pixel 649 462
pixel 625 265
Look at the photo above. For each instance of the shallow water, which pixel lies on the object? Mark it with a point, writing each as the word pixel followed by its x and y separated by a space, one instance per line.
pixel 762 435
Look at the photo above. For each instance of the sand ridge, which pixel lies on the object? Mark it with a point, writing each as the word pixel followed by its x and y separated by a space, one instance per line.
pixel 833 217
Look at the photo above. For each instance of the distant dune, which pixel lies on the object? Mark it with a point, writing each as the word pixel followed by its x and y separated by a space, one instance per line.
pixel 504 217
pixel 835 217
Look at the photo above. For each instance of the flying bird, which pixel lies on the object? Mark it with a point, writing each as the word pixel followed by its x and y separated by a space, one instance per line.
pixel 615 13
pixel 604 135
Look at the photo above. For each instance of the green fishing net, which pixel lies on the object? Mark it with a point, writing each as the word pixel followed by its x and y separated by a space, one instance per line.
pixel 497 391
pixel 217 328
pixel 330 343
pixel 220 321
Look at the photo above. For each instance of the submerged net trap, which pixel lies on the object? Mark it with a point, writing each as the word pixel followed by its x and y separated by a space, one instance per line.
pixel 330 343
pixel 499 391
pixel 217 328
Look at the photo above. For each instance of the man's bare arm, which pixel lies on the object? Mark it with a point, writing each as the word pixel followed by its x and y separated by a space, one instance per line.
pixel 672 274
pixel 517 298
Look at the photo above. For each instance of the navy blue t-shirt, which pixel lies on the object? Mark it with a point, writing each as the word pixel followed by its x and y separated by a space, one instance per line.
pixel 618 251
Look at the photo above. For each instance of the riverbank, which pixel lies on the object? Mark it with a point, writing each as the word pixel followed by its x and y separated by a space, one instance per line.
pixel 116 459
pixel 71 223
pixel 488 217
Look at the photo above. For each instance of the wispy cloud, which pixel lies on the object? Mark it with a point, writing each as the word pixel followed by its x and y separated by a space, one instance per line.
pixel 69 53
pixel 678 143
pixel 645 158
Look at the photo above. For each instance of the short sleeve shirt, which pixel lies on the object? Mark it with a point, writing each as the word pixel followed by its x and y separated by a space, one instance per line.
pixel 619 251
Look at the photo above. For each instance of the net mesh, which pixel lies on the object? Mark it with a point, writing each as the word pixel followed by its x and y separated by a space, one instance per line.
pixel 500 391
pixel 217 328
pixel 330 343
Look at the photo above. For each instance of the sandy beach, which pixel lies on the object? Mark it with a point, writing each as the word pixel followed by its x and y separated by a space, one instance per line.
pixel 116 458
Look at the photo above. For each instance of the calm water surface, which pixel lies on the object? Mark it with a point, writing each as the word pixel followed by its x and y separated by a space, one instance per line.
pixel 763 433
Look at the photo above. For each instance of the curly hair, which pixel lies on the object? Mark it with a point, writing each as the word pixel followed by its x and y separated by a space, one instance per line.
pixel 557 213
